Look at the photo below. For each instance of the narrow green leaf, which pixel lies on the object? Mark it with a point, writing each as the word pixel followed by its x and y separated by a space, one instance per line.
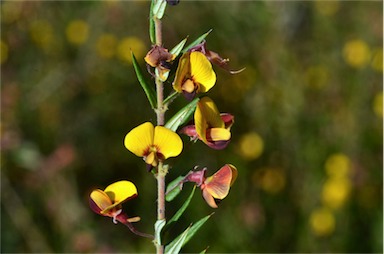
pixel 148 89
pixel 159 8
pixel 159 224
pixel 171 97
pixel 182 208
pixel 190 231
pixel 177 49
pixel 173 189
pixel 195 227
pixel 197 41
pixel 204 251
pixel 182 116
pixel 152 32
pixel 175 246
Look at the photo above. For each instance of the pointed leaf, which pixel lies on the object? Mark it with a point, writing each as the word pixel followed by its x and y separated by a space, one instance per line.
pixel 152 32
pixel 190 231
pixel 173 189
pixel 159 224
pixel 182 116
pixel 170 98
pixel 197 41
pixel 182 208
pixel 148 89
pixel 177 49
pixel 159 8
pixel 175 246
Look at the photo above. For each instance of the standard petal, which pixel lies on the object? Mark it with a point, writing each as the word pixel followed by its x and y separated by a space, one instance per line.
pixel 139 139
pixel 99 200
pixel 234 173
pixel 121 191
pixel 210 113
pixel 168 143
pixel 202 72
pixel 218 184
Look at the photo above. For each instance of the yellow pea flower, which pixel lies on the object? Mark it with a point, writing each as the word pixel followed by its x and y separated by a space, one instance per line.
pixel 154 144
pixel 194 74
pixel 108 202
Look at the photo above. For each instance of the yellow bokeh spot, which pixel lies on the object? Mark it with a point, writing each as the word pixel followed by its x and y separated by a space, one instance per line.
pixel 356 53
pixel 317 76
pixel 271 180
pixel 377 60
pixel 336 192
pixel 322 221
pixel 378 104
pixel 128 44
pixel 3 52
pixel 338 165
pixel 106 45
pixel 41 32
pixel 251 146
pixel 327 8
pixel 77 32
pixel 10 11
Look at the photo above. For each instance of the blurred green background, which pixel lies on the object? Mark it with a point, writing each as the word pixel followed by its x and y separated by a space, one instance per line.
pixel 307 141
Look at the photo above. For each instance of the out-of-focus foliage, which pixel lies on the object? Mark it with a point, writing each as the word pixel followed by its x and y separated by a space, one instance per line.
pixel 307 139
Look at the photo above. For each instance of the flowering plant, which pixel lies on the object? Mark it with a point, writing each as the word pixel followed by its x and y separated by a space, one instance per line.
pixel 193 77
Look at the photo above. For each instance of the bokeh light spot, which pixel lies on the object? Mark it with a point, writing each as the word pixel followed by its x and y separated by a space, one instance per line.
pixel 336 192
pixel 327 8
pixel 128 44
pixel 3 52
pixel 377 60
pixel 41 32
pixel 271 180
pixel 10 11
pixel 106 45
pixel 378 104
pixel 251 146
pixel 338 165
pixel 322 221
pixel 356 53
pixel 77 32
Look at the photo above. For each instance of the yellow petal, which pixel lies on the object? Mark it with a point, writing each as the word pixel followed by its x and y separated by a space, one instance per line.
pixel 121 191
pixel 139 139
pixel 101 199
pixel 211 113
pixel 181 72
pixel 202 72
pixel 168 143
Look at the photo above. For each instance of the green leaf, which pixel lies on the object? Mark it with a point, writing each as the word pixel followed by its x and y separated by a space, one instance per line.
pixel 182 208
pixel 152 32
pixel 197 41
pixel 190 232
pixel 173 189
pixel 159 224
pixel 148 89
pixel 171 97
pixel 177 49
pixel 176 245
pixel 159 8
pixel 182 116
